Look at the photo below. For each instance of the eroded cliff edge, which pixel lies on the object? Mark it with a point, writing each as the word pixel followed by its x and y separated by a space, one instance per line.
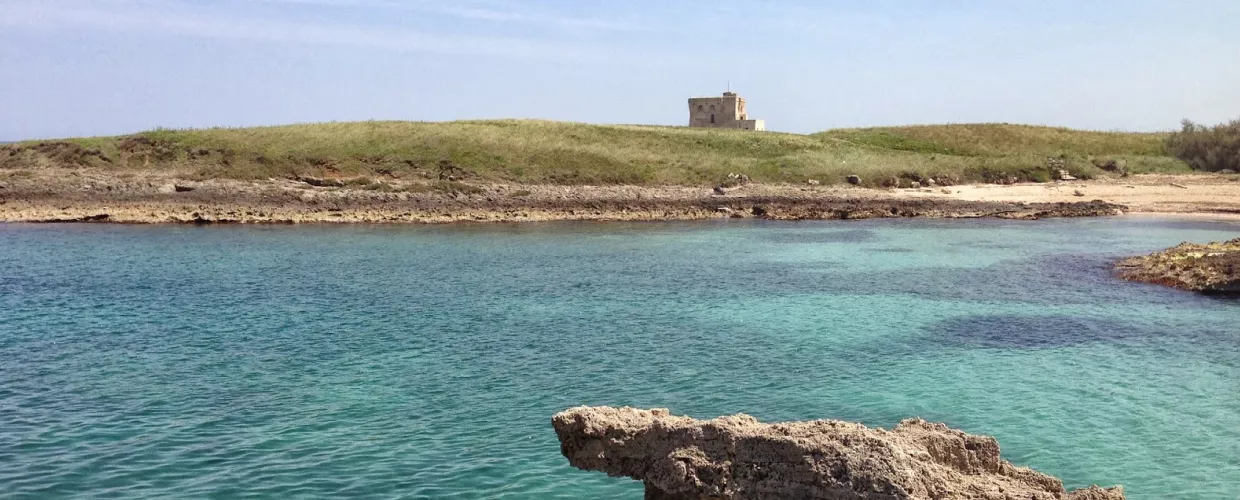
pixel 1212 268
pixel 737 457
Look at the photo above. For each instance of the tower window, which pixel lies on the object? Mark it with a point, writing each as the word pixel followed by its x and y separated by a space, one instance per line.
pixel 712 117
pixel 699 107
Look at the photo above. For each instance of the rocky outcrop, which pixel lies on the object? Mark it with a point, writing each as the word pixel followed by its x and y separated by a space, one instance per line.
pixel 737 457
pixel 855 208
pixel 157 197
pixel 1212 268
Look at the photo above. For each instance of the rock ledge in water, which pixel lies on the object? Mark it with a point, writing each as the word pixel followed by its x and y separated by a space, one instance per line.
pixel 1211 268
pixel 737 457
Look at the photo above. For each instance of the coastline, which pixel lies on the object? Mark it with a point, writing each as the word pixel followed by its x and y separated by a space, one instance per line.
pixel 103 196
pixel 741 208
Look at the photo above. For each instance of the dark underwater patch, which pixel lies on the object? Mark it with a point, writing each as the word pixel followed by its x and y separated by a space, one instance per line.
pixel 1056 279
pixel 841 236
pixel 1189 224
pixel 990 245
pixel 1032 331
pixel 1042 281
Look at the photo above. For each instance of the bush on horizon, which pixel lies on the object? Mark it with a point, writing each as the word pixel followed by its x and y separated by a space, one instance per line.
pixel 1207 148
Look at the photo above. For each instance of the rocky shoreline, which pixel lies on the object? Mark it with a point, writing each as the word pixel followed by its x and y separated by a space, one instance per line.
pixel 738 457
pixel 76 196
pixel 1211 268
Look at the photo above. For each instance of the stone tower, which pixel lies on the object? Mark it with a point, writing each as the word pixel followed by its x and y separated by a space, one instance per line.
pixel 722 112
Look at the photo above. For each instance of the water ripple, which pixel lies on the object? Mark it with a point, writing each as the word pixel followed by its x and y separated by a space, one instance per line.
pixel 403 362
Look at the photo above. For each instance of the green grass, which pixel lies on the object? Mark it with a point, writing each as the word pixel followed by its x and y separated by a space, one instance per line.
pixel 527 151
pixel 997 139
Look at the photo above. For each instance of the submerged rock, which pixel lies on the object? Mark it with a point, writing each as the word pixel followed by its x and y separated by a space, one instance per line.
pixel 738 457
pixel 1212 268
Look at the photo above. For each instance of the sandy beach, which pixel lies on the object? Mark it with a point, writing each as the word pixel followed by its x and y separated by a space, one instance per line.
pixel 1184 194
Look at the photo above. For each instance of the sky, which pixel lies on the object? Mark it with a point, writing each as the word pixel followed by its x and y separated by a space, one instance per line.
pixel 103 67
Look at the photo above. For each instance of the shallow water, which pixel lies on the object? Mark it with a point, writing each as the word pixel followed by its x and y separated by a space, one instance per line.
pixel 425 362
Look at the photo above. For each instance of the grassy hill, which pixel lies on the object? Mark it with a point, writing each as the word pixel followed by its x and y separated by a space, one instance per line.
pixel 572 153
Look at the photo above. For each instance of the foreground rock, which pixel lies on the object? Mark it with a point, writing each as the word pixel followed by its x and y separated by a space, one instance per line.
pixel 1213 268
pixel 738 457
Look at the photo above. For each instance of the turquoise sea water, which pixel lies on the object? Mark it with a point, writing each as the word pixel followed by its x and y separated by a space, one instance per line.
pixel 425 362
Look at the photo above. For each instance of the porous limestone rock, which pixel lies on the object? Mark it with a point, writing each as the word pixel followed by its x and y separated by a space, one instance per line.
pixel 737 457
pixel 1212 268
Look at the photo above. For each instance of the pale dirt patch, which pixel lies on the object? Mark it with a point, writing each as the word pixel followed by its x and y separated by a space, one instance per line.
pixel 1209 194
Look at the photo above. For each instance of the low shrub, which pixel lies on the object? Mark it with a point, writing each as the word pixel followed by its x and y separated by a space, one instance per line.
pixel 17 174
pixel 361 182
pixel 1207 148
pixel 455 187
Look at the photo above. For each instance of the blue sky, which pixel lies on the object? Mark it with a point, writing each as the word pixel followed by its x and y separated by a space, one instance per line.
pixel 92 67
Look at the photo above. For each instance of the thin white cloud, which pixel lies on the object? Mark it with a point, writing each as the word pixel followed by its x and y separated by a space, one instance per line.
pixel 516 12
pixel 145 17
